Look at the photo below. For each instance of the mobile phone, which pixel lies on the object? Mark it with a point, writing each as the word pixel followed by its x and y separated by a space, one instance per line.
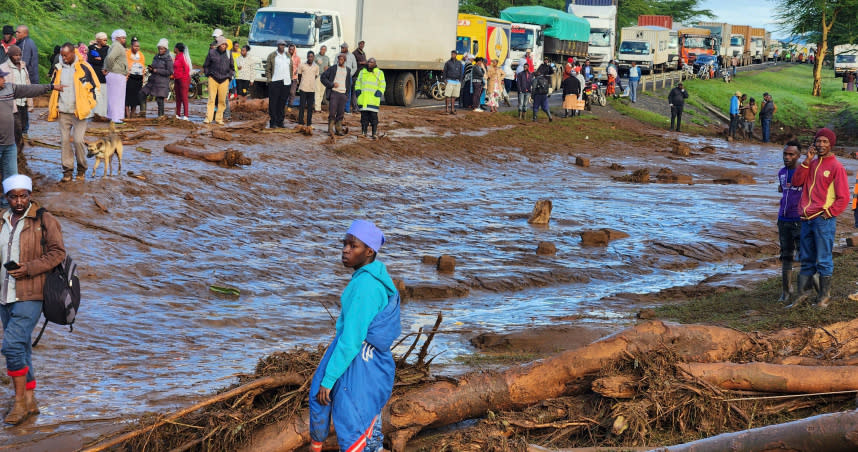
pixel 11 265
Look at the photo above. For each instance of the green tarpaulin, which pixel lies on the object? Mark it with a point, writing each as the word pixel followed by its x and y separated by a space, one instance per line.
pixel 558 24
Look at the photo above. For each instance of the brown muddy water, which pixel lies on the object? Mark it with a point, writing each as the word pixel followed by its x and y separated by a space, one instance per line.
pixel 151 336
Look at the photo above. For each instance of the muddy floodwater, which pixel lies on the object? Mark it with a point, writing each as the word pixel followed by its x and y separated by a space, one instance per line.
pixel 151 336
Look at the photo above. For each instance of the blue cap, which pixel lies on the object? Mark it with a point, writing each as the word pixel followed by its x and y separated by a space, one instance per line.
pixel 367 233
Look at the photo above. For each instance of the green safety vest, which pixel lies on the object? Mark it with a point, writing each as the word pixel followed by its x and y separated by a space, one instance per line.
pixel 368 83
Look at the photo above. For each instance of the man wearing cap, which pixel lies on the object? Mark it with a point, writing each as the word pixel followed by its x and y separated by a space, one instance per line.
pixel 72 107
pixel 453 74
pixel 116 75
pixel 7 40
pixel 824 196
pixel 219 68
pixel 676 99
pixel 767 112
pixel 734 114
pixel 354 379
pixel 35 244
pixel 8 93
pixel 351 64
pixel 278 73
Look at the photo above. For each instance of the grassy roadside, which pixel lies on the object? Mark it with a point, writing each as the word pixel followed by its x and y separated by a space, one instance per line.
pixel 790 87
pixel 757 309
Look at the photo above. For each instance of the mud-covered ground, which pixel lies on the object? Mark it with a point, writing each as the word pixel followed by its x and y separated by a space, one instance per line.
pixel 152 336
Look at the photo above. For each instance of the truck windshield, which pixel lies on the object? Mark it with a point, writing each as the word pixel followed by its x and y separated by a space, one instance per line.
pixel 634 47
pixel 737 41
pixel 849 59
pixel 463 45
pixel 674 43
pixel 600 38
pixel 521 39
pixel 271 26
pixel 697 42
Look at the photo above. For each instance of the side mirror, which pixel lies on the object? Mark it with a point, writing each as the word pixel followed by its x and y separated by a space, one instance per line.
pixel 652 51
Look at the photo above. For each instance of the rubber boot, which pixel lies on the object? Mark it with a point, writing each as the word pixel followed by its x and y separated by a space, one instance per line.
pixel 534 117
pixel 363 130
pixel 374 131
pixel 549 116
pixel 331 127
pixel 338 125
pixel 805 290
pixel 19 411
pixel 786 284
pixel 824 296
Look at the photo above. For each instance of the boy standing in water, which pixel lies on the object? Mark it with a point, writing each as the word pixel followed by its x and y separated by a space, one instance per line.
pixel 355 378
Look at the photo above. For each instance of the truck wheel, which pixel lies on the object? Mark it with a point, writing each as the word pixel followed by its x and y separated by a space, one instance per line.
pixel 405 89
pixel 389 98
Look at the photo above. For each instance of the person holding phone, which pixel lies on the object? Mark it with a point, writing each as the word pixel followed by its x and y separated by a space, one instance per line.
pixel 26 262
pixel 824 196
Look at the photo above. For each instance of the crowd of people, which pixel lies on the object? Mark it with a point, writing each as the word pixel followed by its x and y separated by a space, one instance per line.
pixel 743 115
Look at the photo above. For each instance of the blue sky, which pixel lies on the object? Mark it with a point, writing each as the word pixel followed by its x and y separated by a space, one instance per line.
pixel 756 13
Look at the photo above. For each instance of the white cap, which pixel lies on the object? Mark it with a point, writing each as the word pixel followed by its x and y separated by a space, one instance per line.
pixel 217 32
pixel 163 43
pixel 17 181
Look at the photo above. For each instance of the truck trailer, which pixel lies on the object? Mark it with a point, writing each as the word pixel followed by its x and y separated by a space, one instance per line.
pixel 565 35
pixel 485 37
pixel 740 44
pixel 721 32
pixel 389 30
pixel 647 46
pixel 602 16
pixel 693 42
pixel 759 45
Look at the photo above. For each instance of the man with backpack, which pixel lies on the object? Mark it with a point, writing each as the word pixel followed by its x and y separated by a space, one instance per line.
pixel 541 84
pixel 35 246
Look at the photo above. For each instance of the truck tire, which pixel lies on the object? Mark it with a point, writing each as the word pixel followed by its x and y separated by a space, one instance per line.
pixel 389 98
pixel 405 89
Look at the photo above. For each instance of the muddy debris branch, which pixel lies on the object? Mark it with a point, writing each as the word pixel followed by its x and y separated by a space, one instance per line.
pixel 776 378
pixel 227 159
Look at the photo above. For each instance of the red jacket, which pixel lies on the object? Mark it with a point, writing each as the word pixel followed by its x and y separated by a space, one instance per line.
pixel 825 187
pixel 181 71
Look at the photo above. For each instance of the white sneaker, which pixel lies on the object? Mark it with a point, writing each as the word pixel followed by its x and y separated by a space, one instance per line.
pixel 178 117
pixel 479 109
pixel 185 118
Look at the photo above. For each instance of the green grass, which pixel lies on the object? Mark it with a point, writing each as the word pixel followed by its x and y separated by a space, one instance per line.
pixel 756 309
pixel 790 88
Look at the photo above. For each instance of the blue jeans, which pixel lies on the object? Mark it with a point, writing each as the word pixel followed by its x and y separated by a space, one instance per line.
pixel 19 320
pixel 8 160
pixel 767 129
pixel 633 89
pixel 817 240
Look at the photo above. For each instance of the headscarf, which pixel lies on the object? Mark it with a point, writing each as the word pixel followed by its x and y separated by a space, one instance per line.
pixel 368 233
pixel 118 33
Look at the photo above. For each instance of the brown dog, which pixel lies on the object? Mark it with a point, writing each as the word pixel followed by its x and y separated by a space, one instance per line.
pixel 104 150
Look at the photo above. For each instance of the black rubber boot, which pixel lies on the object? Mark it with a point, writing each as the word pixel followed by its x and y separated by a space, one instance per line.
pixel 374 131
pixel 549 116
pixel 786 284
pixel 805 290
pixel 824 296
pixel 534 117
pixel 363 130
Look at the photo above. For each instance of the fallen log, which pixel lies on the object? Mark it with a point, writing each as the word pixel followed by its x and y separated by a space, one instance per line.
pixel 263 384
pixel 778 378
pixel 617 386
pixel 446 402
pixel 535 448
pixel 827 432
pixel 249 105
pixel 227 158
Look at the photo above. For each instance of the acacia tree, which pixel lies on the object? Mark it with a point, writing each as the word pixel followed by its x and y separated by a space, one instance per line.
pixel 816 19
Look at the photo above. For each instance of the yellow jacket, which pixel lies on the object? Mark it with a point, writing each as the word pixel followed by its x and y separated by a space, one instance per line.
pixel 85 86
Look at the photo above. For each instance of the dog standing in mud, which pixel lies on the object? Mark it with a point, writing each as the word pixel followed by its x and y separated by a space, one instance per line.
pixel 104 150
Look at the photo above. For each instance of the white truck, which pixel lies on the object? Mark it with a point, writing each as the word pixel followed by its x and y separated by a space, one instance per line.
pixel 648 46
pixel 602 15
pixel 845 59
pixel 409 44
pixel 523 37
pixel 721 31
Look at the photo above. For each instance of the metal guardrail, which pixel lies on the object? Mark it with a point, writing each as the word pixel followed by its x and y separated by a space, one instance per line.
pixel 671 77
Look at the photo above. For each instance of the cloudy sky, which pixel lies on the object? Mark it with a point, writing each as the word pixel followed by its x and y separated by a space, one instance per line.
pixel 756 13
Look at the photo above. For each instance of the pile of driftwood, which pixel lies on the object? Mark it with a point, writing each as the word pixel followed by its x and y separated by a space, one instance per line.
pixel 623 390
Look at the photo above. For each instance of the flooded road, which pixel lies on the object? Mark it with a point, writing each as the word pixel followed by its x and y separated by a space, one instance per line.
pixel 151 336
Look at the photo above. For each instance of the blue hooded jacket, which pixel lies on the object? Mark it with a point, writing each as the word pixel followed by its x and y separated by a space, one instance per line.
pixel 358 365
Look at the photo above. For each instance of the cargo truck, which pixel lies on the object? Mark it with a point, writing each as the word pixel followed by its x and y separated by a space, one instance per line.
pixel 602 16
pixel 758 45
pixel 845 59
pixel 721 32
pixel 693 42
pixel 647 46
pixel 564 35
pixel 740 44
pixel 485 37
pixel 409 44
pixel 673 46
pixel 523 37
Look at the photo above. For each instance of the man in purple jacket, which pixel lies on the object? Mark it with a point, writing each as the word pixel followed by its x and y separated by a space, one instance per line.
pixel 789 216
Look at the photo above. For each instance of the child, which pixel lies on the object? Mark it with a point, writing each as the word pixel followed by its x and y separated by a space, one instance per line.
pixel 355 378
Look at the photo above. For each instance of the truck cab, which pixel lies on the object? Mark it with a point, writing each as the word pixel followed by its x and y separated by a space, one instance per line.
pixel 307 30
pixel 673 61
pixel 523 37
pixel 694 42
pixel 758 49
pixel 845 59
pixel 737 45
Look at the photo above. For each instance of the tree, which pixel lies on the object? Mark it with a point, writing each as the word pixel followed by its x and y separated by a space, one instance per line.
pixel 820 21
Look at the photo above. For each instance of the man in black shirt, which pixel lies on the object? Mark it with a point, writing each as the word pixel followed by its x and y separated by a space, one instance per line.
pixel 676 99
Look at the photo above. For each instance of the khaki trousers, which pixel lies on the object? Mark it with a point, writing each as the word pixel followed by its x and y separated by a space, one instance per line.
pixel 219 91
pixel 72 131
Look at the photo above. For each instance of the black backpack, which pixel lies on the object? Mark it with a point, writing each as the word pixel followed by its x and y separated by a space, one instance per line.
pixel 541 86
pixel 62 289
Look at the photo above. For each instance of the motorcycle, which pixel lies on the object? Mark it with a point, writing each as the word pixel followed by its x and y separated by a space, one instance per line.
pixel 594 93
pixel 196 87
pixel 725 74
pixel 433 86
pixel 704 72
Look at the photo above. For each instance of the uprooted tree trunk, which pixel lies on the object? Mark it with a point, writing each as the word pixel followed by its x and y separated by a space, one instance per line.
pixel 827 432
pixel 227 158
pixel 446 402
pixel 779 378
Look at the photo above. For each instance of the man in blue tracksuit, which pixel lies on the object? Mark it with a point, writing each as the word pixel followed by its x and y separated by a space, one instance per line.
pixel 734 114
pixel 355 378
pixel 789 217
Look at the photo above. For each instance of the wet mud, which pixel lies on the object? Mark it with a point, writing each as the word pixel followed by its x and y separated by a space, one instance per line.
pixel 152 336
